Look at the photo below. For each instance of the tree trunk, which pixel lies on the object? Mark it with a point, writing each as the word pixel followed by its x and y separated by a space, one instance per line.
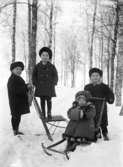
pixel 114 43
pixel 51 25
pixel 102 43
pixel 73 76
pixel 29 37
pixel 108 61
pixel 92 35
pixel 119 70
pixel 54 45
pixel 119 78
pixel 32 56
pixel 14 31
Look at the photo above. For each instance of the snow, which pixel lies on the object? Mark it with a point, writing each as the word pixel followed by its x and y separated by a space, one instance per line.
pixel 27 151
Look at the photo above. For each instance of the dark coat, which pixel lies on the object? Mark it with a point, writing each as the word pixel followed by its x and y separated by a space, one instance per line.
pixel 17 93
pixel 45 78
pixel 81 127
pixel 102 91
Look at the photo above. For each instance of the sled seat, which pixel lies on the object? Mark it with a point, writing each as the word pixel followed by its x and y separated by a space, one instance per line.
pixel 56 118
pixel 55 123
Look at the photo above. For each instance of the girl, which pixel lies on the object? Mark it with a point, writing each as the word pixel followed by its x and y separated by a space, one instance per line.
pixel 45 78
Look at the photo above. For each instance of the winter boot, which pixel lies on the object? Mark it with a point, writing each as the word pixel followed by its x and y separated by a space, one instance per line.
pixel 98 134
pixel 71 146
pixel 16 132
pixel 105 137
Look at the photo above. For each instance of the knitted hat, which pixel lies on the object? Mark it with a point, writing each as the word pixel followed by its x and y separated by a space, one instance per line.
pixel 17 64
pixel 46 49
pixel 84 93
pixel 95 70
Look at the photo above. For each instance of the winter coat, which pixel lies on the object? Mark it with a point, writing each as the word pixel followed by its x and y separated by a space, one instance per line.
pixel 102 91
pixel 17 93
pixel 45 78
pixel 81 127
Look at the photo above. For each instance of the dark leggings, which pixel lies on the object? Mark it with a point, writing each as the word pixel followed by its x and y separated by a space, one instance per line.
pixel 15 121
pixel 47 99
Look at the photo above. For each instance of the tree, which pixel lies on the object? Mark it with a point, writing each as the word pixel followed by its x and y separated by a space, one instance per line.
pixel 32 38
pixel 93 32
pixel 14 30
pixel 114 43
pixel 119 68
pixel 71 57
pixel 48 15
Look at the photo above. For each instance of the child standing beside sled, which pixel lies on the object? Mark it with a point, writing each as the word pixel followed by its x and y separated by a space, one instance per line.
pixel 81 127
pixel 100 90
pixel 45 79
pixel 18 95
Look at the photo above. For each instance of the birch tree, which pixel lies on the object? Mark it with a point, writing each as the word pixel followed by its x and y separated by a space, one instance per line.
pixel 32 43
pixel 119 68
pixel 114 43
pixel 93 32
pixel 14 30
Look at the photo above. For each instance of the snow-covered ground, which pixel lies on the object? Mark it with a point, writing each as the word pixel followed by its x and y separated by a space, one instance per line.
pixel 16 152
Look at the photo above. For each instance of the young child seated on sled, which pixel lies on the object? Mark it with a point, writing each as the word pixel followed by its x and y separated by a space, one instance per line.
pixel 99 89
pixel 81 127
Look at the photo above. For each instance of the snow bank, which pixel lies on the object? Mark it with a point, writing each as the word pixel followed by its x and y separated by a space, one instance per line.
pixel 27 151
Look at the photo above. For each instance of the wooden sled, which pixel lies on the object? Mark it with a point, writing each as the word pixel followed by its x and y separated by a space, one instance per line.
pixel 50 148
pixel 121 111
pixel 53 122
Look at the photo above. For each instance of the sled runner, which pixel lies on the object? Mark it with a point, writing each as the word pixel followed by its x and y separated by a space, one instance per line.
pixel 50 148
pixel 53 122
pixel 121 111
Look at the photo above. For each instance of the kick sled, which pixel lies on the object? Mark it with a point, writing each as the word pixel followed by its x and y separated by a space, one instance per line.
pixel 49 124
pixel 50 148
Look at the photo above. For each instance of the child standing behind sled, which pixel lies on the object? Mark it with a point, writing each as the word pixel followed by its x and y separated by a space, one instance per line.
pixel 81 127
pixel 100 90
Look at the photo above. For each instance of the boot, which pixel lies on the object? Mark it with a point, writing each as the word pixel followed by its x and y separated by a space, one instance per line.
pixel 98 134
pixel 20 133
pixel 16 132
pixel 71 146
pixel 49 116
pixel 105 137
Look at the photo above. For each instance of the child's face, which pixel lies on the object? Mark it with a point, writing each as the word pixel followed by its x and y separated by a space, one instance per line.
pixel 45 57
pixel 17 71
pixel 95 78
pixel 81 101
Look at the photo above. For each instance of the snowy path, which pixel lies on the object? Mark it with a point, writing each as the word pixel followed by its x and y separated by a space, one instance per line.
pixel 15 152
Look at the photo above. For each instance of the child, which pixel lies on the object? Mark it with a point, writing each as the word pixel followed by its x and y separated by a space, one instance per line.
pixel 45 78
pixel 17 93
pixel 98 89
pixel 81 127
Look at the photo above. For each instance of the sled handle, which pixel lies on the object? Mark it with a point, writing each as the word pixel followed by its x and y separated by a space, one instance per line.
pixel 97 98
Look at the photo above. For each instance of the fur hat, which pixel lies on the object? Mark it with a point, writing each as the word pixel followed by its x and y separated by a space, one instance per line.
pixel 17 64
pixel 95 70
pixel 84 93
pixel 46 49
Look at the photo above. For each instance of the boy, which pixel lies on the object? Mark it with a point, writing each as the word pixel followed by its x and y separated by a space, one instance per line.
pixel 81 128
pixel 45 78
pixel 100 90
pixel 17 93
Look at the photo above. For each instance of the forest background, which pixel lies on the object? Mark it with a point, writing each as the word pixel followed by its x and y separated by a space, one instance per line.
pixel 81 33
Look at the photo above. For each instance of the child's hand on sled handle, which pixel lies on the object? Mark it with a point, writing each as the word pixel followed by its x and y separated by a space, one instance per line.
pixel 30 86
